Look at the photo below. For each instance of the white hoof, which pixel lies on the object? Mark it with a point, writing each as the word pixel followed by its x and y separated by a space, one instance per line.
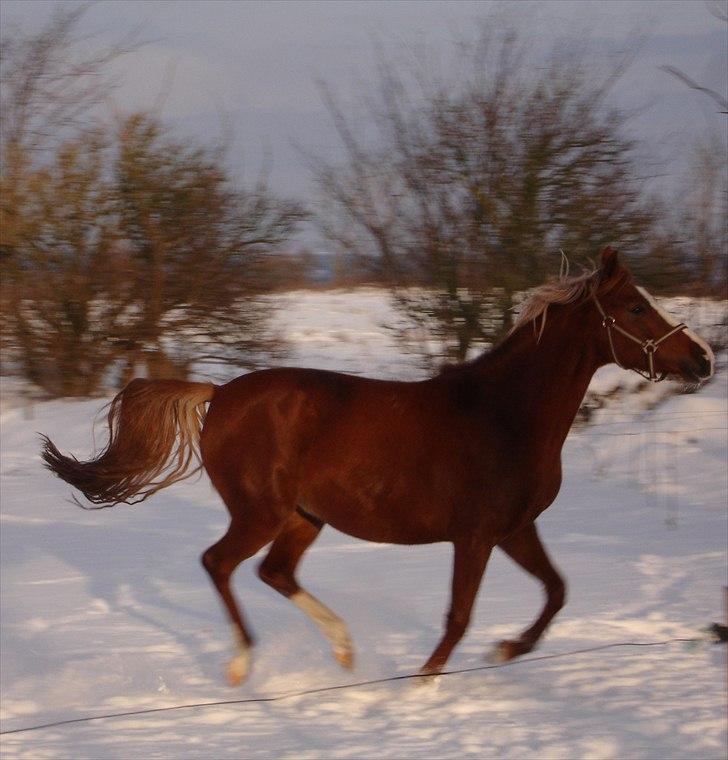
pixel 238 667
pixel 345 657
pixel 496 655
pixel 430 681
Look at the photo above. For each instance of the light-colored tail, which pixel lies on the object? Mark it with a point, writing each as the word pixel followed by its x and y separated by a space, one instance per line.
pixel 154 436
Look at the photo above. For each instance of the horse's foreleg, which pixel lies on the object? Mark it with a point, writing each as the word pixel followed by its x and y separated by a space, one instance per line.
pixel 278 571
pixel 469 564
pixel 526 549
pixel 220 561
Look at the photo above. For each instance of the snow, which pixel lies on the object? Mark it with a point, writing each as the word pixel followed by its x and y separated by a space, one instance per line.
pixel 110 611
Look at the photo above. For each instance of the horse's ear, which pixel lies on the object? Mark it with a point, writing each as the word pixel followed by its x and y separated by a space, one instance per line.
pixel 610 262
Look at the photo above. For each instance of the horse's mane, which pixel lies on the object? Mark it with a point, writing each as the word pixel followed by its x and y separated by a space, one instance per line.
pixel 559 290
pixel 562 290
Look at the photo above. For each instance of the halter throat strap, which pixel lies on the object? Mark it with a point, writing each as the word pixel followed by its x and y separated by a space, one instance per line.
pixel 649 346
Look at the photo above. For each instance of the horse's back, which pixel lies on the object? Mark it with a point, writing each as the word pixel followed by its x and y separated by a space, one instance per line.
pixel 262 429
pixel 295 408
pixel 280 392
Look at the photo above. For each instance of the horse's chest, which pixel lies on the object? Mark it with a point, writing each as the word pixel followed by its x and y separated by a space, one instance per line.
pixel 540 487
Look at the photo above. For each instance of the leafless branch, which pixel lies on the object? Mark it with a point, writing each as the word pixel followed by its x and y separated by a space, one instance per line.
pixel 52 79
pixel 716 97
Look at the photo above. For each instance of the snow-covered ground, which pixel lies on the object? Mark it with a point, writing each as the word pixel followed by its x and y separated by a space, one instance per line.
pixel 110 611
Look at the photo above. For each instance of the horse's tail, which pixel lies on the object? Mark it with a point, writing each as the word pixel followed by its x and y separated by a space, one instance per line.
pixel 154 437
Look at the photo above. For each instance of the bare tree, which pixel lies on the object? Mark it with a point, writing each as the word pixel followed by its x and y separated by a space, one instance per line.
pixel 698 229
pixel 51 79
pixel 693 229
pixel 469 185
pixel 719 10
pixel 198 247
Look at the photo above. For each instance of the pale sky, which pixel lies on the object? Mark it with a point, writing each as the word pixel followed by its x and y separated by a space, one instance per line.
pixel 258 62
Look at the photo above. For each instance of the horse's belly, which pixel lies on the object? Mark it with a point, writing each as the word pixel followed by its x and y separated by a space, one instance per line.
pixel 374 516
pixel 384 531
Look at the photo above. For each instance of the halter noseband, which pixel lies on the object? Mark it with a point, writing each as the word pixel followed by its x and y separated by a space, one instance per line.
pixel 649 346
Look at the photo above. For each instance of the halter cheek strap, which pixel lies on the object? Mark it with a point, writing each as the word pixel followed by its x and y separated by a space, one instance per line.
pixel 649 346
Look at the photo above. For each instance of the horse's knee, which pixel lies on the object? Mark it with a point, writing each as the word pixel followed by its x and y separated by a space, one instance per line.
pixel 207 559
pixel 456 626
pixel 213 563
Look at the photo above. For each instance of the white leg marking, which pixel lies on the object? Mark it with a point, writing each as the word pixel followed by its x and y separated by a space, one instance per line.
pixel 689 333
pixel 238 667
pixel 330 624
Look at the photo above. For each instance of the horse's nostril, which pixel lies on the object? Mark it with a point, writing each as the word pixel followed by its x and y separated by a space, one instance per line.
pixel 704 365
pixel 696 370
pixel 700 367
pixel 702 360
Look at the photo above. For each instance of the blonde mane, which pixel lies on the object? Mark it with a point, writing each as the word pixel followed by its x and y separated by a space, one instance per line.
pixel 557 291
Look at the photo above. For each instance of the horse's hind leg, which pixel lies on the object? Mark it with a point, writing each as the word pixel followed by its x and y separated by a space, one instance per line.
pixel 243 539
pixel 278 571
pixel 526 549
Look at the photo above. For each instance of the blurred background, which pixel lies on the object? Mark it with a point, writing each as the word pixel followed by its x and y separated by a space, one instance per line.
pixel 171 171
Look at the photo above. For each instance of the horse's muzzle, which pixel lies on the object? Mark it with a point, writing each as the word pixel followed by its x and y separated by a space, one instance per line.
pixel 698 369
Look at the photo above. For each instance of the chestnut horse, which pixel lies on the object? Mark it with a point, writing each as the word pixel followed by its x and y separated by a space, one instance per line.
pixel 471 456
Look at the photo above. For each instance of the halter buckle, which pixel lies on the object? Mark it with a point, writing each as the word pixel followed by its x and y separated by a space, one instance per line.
pixel 608 321
pixel 649 346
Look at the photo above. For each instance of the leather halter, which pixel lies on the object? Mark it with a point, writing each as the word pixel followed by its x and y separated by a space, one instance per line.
pixel 649 346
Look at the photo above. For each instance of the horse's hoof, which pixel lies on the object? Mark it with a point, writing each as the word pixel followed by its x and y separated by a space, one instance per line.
pixel 237 669
pixel 496 655
pixel 505 651
pixel 345 658
pixel 428 671
pixel 431 680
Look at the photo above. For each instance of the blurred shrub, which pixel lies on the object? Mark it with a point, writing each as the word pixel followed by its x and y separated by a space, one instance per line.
pixel 133 251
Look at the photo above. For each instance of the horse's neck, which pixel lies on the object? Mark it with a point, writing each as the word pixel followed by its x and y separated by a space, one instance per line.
pixel 543 382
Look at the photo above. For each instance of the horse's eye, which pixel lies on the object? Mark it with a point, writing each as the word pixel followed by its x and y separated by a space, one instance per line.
pixel 638 309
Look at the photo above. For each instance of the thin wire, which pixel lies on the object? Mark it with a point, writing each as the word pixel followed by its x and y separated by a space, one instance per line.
pixel 342 687
pixel 641 432
pixel 641 416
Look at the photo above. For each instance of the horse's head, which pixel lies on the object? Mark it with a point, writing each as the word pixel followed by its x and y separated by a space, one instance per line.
pixel 637 334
